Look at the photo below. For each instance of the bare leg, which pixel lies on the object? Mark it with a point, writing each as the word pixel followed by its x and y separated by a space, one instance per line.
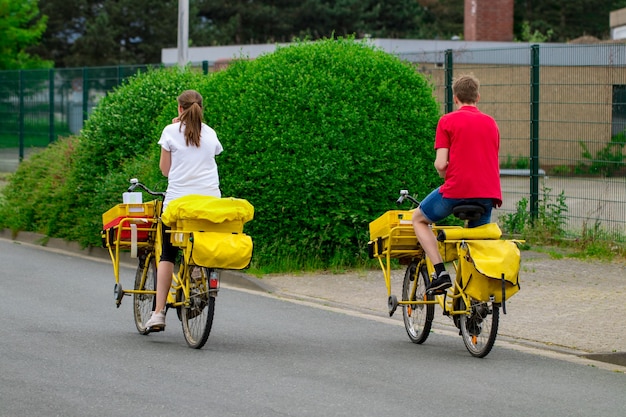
pixel 426 236
pixel 164 281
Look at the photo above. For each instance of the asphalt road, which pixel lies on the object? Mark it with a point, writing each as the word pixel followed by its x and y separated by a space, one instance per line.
pixel 65 350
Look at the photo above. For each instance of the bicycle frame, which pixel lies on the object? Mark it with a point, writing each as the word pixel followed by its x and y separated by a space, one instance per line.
pixel 404 236
pixel 151 249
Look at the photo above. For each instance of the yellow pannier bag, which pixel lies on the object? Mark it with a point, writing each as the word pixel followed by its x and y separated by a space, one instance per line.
pixel 211 209
pixel 490 268
pixel 220 250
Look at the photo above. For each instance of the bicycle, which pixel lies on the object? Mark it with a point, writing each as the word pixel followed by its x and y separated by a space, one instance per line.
pixel 137 227
pixel 485 269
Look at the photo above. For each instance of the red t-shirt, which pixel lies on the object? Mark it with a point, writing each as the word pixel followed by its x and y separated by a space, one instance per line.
pixel 473 140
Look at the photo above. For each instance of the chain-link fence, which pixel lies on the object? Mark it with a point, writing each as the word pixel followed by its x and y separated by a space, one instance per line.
pixel 561 111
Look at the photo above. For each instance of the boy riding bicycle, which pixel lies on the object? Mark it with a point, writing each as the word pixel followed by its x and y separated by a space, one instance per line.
pixel 467 142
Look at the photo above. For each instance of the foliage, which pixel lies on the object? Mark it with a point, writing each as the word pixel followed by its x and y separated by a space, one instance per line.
pixel 608 160
pixel 546 227
pixel 319 137
pixel 35 194
pixel 536 36
pixel 562 24
pixel 109 32
pixel 595 242
pixel 19 28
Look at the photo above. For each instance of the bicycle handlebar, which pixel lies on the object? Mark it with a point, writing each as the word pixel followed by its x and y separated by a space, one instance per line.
pixel 134 183
pixel 404 195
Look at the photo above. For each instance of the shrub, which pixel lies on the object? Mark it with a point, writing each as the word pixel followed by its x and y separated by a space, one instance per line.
pixel 319 137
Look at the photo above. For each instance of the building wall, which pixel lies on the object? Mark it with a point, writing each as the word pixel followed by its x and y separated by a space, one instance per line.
pixel 575 105
pixel 488 20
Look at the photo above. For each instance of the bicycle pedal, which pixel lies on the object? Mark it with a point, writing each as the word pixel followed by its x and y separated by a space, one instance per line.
pixel 156 329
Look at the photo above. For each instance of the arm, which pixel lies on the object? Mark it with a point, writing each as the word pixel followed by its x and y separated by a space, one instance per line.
pixel 166 162
pixel 441 161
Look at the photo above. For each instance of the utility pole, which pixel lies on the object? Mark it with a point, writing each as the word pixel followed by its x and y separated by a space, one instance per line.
pixel 183 32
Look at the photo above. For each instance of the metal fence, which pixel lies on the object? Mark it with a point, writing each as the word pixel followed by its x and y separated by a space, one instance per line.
pixel 38 106
pixel 561 112
pixel 562 116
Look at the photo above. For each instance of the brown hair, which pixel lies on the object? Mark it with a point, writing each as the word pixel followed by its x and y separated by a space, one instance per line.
pixel 191 116
pixel 465 88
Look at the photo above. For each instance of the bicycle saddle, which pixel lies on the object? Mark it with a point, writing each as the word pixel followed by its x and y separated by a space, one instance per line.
pixel 468 211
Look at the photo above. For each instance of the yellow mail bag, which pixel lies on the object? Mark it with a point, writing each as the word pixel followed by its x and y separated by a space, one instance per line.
pixel 490 268
pixel 221 250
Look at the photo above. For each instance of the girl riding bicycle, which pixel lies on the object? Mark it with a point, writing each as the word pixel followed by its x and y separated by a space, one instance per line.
pixel 188 151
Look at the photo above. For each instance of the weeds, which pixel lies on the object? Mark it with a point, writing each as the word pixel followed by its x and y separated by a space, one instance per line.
pixel 548 229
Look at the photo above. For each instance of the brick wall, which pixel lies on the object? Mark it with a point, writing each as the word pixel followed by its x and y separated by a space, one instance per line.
pixel 488 20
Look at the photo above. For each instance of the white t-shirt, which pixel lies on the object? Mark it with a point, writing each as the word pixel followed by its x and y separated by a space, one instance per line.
pixel 193 169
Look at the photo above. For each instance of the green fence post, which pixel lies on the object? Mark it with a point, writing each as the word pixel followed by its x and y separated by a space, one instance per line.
pixel 534 133
pixel 85 95
pixel 51 104
pixel 205 67
pixel 448 72
pixel 21 116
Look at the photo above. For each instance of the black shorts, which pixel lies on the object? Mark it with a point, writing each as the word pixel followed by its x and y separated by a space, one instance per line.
pixel 169 252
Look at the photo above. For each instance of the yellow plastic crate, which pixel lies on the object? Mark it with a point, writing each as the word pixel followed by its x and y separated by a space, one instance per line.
pixel 120 211
pixel 142 212
pixel 393 218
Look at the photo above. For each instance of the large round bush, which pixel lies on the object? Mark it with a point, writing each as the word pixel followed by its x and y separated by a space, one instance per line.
pixel 320 137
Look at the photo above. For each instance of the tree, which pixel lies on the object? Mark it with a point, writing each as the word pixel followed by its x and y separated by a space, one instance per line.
pixel 20 27
pixel 263 21
pixel 442 18
pixel 108 32
pixel 565 19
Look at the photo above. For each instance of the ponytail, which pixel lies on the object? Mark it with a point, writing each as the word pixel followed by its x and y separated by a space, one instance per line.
pixel 191 116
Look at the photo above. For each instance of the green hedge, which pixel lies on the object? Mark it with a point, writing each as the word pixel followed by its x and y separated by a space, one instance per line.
pixel 318 136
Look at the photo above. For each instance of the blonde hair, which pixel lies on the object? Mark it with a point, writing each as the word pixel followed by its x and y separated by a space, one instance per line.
pixel 465 88
pixel 191 116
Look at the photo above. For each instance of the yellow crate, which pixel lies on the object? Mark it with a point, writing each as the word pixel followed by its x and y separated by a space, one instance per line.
pixel 120 211
pixel 399 243
pixel 393 218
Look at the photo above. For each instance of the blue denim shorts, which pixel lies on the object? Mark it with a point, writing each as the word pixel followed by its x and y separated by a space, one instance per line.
pixel 436 208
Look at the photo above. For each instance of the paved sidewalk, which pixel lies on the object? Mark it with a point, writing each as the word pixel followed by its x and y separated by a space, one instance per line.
pixel 567 305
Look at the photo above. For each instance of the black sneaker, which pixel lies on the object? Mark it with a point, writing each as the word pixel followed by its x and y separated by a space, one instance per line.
pixel 441 283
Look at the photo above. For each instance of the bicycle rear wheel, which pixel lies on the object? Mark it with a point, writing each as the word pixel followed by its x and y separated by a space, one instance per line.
pixel 197 318
pixel 480 328
pixel 143 304
pixel 418 318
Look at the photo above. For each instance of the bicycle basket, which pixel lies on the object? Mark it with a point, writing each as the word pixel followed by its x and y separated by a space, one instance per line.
pixel 140 214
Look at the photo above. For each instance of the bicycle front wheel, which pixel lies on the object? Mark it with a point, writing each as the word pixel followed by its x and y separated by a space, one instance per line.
pixel 197 317
pixel 480 327
pixel 143 304
pixel 418 318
